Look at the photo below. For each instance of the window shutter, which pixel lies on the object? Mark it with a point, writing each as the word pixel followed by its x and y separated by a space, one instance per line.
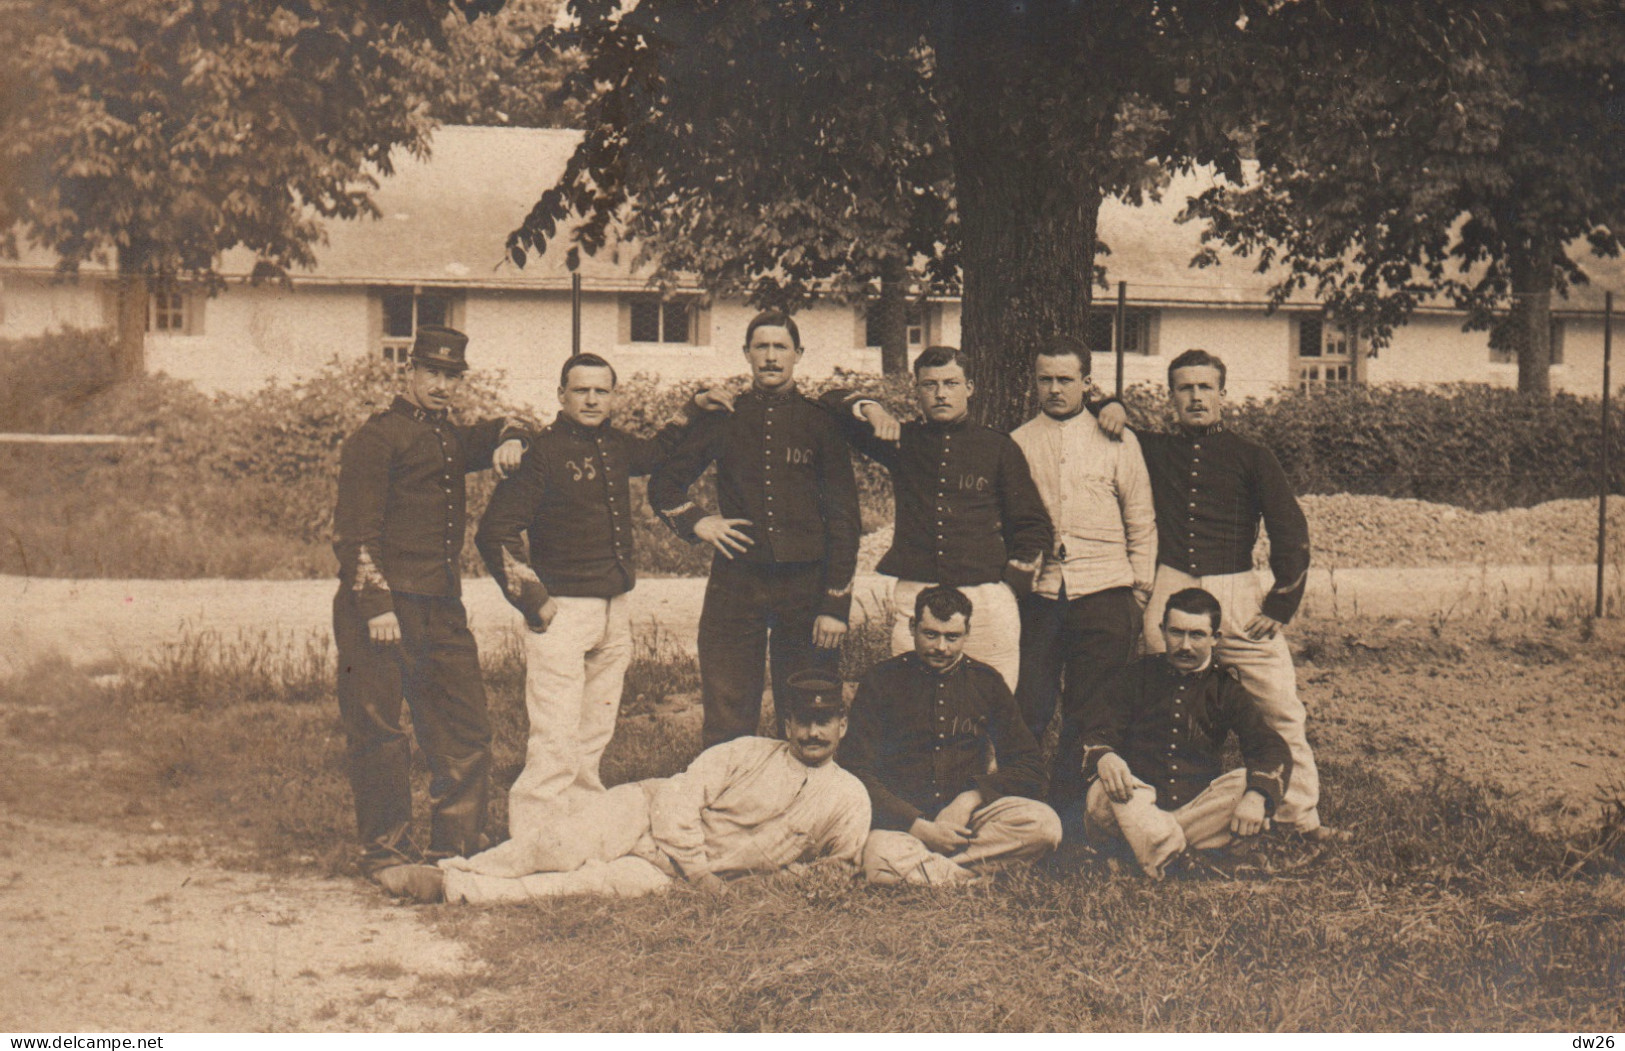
pixel 194 313
pixel 702 325
pixel 1310 337
pixel 1557 340
pixel 623 321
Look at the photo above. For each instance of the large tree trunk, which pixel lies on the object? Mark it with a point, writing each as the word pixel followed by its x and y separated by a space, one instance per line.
pixel 1531 328
pixel 893 315
pixel 1028 207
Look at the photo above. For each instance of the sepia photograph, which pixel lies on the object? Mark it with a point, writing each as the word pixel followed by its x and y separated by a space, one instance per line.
pixel 809 516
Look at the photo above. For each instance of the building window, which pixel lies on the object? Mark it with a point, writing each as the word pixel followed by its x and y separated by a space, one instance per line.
pixel 176 313
pixel 405 310
pixel 917 331
pixel 1508 354
pixel 651 319
pixel 1139 331
pixel 1328 355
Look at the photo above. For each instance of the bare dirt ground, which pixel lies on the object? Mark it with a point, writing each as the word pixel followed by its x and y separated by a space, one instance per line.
pixel 112 932
pixel 145 932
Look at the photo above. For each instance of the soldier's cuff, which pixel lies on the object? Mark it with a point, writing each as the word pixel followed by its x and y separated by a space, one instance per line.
pixel 372 602
pixel 1020 576
pixel 1270 786
pixel 514 428
pixel 836 602
pixel 683 519
pixel 1092 755
pixel 1279 607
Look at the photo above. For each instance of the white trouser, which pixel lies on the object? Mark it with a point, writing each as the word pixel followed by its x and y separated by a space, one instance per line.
pixel 1157 836
pixel 995 625
pixel 601 846
pixel 1266 670
pixel 1010 828
pixel 573 677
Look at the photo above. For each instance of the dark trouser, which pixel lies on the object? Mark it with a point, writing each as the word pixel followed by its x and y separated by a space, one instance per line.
pixel 1069 648
pixel 436 666
pixel 745 603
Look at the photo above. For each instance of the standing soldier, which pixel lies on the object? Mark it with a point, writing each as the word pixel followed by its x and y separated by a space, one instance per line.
pixel 398 618
pixel 1212 488
pixel 786 538
pixel 1082 621
pixel 571 501
pixel 968 515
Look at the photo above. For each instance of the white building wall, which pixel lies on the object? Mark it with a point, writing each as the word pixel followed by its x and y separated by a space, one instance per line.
pixel 251 334
pixel 32 305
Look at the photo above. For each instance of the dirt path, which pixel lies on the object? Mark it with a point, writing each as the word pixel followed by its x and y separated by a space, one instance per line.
pixel 97 620
pixel 110 932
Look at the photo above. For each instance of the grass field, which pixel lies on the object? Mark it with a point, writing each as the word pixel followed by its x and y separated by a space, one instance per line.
pixel 1460 906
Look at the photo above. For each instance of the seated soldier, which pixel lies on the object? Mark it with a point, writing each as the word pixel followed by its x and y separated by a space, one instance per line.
pixel 949 764
pixel 1152 739
pixel 748 805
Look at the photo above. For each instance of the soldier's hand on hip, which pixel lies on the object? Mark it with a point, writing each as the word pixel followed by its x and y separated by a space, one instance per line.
pixel 827 631
pixel 1115 777
pixel 507 457
pixel 1261 627
pixel 384 628
pixel 724 534
pixel 544 617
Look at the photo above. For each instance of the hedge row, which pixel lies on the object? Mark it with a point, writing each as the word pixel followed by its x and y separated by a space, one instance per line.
pixel 269 460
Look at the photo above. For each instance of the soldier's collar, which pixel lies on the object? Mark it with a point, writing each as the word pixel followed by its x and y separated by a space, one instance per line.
pixel 402 405
pixel 789 392
pixel 1179 673
pixel 1200 432
pixel 957 425
pixel 569 426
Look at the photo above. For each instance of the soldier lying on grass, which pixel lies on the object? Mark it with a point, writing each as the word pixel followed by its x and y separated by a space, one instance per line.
pixel 1153 739
pixel 746 806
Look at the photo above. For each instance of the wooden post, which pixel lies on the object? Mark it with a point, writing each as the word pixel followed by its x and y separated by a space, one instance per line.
pixel 1607 440
pixel 1117 331
pixel 575 313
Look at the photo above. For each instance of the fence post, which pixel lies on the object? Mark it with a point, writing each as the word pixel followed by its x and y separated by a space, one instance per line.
pixel 1607 440
pixel 575 313
pixel 1117 331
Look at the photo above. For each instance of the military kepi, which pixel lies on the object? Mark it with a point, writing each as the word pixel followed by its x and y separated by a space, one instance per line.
pixel 441 348
pixel 814 694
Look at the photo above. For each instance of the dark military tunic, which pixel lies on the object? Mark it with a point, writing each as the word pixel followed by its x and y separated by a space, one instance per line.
pixel 1211 489
pixel 402 501
pixel 966 502
pixel 1170 729
pixel 572 501
pixel 920 737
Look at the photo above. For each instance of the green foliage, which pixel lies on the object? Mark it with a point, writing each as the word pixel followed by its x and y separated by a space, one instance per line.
pixel 493 79
pixel 170 132
pixel 1475 446
pixel 45 380
pixel 1462 151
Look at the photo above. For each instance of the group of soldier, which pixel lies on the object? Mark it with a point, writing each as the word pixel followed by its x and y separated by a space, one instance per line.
pixel 1031 570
